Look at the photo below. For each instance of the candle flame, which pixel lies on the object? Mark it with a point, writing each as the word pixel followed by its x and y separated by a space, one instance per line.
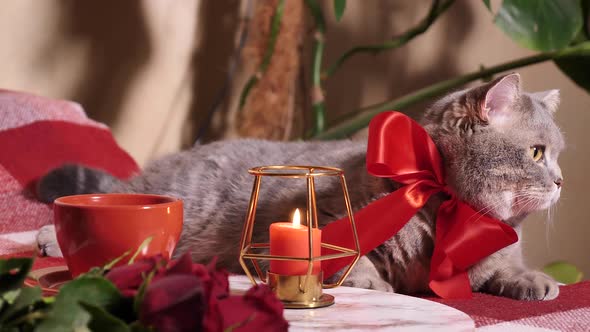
pixel 296 218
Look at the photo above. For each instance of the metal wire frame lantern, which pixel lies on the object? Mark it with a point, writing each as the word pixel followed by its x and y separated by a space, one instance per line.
pixel 304 291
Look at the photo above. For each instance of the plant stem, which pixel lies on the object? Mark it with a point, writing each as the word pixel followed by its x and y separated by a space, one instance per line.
pixel 436 9
pixel 317 93
pixel 362 117
pixel 275 27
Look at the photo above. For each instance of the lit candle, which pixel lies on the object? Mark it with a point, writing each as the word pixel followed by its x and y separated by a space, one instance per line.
pixel 292 239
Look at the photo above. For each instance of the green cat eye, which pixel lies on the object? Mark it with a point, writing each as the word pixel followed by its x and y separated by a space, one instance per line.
pixel 536 152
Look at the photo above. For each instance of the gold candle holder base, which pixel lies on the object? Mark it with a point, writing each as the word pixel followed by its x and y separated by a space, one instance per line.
pixel 299 292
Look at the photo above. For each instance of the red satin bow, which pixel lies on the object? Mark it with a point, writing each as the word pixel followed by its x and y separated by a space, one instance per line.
pixel 400 149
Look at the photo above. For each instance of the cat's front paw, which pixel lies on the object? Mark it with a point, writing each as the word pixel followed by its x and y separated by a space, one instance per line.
pixel 47 242
pixel 368 282
pixel 528 285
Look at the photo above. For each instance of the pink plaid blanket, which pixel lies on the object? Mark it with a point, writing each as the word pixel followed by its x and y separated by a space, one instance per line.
pixel 36 135
pixel 569 312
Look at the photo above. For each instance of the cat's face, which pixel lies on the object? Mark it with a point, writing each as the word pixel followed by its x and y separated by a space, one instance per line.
pixel 500 147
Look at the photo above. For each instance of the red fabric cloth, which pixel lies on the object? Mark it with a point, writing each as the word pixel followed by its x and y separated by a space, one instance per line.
pixel 36 135
pixel 400 149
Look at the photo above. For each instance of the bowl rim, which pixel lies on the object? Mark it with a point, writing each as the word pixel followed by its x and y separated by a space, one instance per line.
pixel 170 201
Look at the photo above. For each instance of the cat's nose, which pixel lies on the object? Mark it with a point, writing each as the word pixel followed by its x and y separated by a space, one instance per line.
pixel 559 182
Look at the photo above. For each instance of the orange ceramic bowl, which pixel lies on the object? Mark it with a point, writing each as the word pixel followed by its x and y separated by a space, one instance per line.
pixel 94 229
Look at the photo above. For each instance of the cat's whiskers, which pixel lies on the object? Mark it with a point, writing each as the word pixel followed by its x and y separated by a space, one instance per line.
pixel 548 224
pixel 533 200
pixel 492 206
pixel 525 200
pixel 528 201
pixel 485 210
pixel 517 198
pixel 528 196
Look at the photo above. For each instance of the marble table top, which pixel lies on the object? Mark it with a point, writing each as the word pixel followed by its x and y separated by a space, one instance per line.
pixel 367 310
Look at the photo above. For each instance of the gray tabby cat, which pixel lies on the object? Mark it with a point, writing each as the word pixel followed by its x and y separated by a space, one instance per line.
pixel 499 145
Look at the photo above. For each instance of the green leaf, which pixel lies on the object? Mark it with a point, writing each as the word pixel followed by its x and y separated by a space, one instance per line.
pixel 575 63
pixel 13 272
pixel 7 299
pixel 577 69
pixel 102 320
pixel 488 5
pixel 563 272
pixel 543 25
pixel 68 314
pixel 10 296
pixel 27 297
pixel 339 7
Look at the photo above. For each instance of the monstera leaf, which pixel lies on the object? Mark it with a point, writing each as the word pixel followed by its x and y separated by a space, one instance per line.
pixel 577 68
pixel 551 26
pixel 542 25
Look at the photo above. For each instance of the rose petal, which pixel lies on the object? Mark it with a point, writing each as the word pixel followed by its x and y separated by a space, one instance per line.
pixel 174 303
pixel 264 299
pixel 218 285
pixel 130 277
pixel 258 310
pixel 182 265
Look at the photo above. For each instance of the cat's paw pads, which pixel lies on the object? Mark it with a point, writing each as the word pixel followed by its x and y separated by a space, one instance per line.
pixel 529 285
pixel 369 283
pixel 47 242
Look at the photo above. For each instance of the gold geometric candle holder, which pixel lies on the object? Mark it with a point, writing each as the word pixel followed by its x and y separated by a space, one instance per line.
pixel 301 290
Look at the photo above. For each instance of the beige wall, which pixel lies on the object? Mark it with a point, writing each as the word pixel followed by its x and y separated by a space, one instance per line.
pixel 147 69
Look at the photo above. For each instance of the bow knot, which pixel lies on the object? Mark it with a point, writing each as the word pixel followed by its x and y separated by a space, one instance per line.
pixel 449 191
pixel 400 149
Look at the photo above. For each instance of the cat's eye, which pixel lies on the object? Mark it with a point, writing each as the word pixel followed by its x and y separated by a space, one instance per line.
pixel 536 152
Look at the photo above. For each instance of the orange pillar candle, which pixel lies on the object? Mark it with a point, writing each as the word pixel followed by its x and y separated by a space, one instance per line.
pixel 292 239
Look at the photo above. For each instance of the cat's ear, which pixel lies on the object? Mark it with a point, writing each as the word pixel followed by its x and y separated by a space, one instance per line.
pixel 550 98
pixel 498 101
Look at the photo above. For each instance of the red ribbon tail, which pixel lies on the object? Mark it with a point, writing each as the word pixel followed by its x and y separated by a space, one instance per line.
pixel 375 224
pixel 455 287
pixel 463 238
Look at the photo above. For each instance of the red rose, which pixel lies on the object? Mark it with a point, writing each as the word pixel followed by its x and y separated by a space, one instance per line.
pixel 258 310
pixel 185 296
pixel 173 303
